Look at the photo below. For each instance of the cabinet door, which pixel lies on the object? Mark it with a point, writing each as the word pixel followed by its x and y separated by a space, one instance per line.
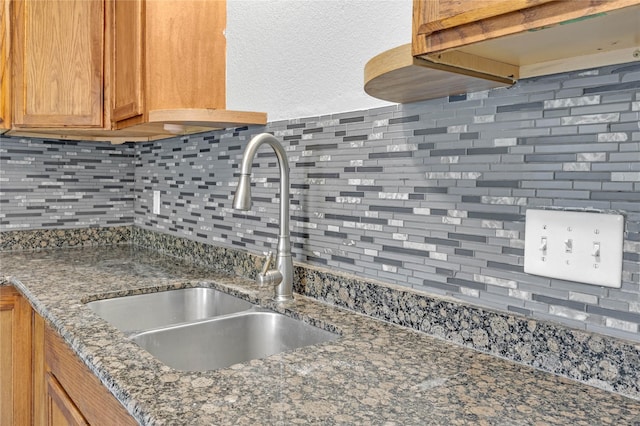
pixel 442 14
pixel 440 25
pixel 82 388
pixel 127 59
pixel 15 358
pixel 186 54
pixel 39 371
pixel 58 66
pixel 5 74
pixel 61 411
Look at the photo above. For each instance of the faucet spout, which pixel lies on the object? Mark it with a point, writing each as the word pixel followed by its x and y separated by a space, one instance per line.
pixel 242 201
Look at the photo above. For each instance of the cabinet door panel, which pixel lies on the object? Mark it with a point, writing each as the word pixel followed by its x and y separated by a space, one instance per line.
pixel 39 370
pixel 443 14
pixel 60 409
pixel 59 63
pixel 15 358
pixel 186 53
pixel 6 364
pixel 5 83
pixel 97 405
pixel 441 25
pixel 127 59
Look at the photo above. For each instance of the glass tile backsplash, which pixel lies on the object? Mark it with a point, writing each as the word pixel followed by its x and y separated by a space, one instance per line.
pixel 430 195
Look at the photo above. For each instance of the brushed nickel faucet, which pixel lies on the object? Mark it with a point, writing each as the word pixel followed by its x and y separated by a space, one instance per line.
pixel 281 277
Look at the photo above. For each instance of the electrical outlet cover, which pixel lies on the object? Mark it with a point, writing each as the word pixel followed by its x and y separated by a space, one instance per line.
pixel 156 202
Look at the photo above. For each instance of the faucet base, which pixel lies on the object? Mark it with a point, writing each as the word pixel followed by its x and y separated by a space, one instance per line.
pixel 283 298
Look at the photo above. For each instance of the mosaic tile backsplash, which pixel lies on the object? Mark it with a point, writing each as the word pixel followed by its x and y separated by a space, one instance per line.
pixel 48 184
pixel 430 195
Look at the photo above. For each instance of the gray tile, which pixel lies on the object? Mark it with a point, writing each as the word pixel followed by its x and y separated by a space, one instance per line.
pixel 571 142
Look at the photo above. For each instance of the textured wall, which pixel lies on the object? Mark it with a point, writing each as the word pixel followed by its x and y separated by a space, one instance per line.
pixel 430 195
pixel 46 184
pixel 295 58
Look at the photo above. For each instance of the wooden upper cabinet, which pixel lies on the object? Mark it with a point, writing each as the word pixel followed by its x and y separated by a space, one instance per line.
pixel 186 54
pixel 512 39
pixel 439 25
pixel 120 70
pixel 5 68
pixel 127 59
pixel 442 14
pixel 461 46
pixel 167 56
pixel 58 63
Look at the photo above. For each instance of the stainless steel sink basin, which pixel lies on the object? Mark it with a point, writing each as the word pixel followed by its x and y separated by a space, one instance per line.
pixel 198 329
pixel 221 342
pixel 152 310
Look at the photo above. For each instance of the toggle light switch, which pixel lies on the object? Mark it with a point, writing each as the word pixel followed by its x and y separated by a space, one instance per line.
pixel 543 245
pixel 595 252
pixel 568 246
pixel 560 244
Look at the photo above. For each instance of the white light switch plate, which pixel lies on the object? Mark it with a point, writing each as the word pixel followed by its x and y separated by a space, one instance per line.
pixel 574 246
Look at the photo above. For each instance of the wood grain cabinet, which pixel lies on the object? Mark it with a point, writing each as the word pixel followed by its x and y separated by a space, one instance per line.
pixel 42 382
pixel 5 70
pixel 461 46
pixel 58 63
pixel 74 395
pixel 60 408
pixel 120 70
pixel 15 358
pixel 512 39
pixel 127 60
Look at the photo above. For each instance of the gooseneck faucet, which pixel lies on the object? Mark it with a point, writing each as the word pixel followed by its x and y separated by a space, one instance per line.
pixel 282 276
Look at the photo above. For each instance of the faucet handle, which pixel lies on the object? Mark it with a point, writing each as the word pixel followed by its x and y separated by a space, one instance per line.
pixel 269 277
pixel 267 263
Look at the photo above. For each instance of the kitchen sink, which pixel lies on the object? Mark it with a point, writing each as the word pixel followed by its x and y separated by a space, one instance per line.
pixel 199 329
pixel 146 311
pixel 221 342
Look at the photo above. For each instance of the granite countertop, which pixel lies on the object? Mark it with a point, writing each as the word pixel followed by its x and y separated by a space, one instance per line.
pixel 376 373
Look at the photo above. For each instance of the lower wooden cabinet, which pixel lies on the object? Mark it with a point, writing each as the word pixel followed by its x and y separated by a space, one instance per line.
pixel 71 384
pixel 60 408
pixel 42 381
pixel 15 358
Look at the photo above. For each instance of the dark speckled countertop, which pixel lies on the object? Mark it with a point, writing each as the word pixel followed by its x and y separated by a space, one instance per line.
pixel 376 373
